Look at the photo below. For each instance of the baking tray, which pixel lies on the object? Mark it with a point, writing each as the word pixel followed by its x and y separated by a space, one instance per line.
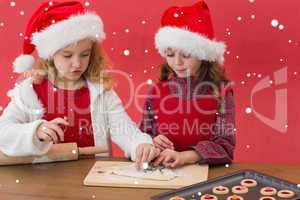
pixel 193 192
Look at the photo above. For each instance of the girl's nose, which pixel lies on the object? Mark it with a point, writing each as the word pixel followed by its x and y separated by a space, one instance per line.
pixel 76 61
pixel 178 60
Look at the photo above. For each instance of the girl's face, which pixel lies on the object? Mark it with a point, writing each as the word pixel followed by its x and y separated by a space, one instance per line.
pixel 72 61
pixel 184 65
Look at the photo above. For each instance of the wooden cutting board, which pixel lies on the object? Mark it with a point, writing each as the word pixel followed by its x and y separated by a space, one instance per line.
pixel 189 175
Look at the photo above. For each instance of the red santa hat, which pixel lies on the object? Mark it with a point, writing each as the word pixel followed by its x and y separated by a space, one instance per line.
pixel 55 25
pixel 190 29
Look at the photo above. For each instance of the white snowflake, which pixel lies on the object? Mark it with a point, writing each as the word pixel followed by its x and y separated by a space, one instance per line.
pixel 146 51
pixel 242 82
pixel 12 4
pixel 155 117
pixel 149 82
pixel 126 52
pixel 127 30
pixel 176 15
pixel 237 57
pixel 252 16
pixel 248 75
pixel 21 12
pixel 87 3
pixel 295 73
pixel 145 71
pixel 281 27
pixel 20 34
pixel 239 18
pixel 114 33
pixel 290 41
pixel 1 24
pixel 143 22
pixel 274 22
pixel 248 110
pixel 259 75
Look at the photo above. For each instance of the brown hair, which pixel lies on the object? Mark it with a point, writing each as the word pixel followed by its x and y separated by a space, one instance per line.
pixel 95 71
pixel 207 71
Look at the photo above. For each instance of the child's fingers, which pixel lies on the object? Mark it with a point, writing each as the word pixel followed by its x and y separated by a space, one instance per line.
pixel 59 120
pixel 58 130
pixel 168 161
pixel 146 152
pixel 45 137
pixel 161 143
pixel 50 133
pixel 166 140
pixel 158 146
pixel 138 157
pixel 175 163
pixel 158 160
pixel 154 152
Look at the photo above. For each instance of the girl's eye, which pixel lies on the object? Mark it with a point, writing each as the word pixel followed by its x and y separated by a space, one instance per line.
pixel 67 56
pixel 186 55
pixel 170 55
pixel 85 55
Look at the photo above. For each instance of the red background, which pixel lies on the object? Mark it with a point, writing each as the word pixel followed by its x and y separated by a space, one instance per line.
pixel 260 47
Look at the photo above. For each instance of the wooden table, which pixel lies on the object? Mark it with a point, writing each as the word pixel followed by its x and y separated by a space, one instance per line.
pixel 64 180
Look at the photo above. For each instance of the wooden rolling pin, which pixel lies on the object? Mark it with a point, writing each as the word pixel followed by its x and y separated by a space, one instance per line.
pixel 58 152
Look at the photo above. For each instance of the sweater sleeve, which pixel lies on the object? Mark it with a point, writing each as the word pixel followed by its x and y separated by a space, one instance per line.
pixel 220 148
pixel 148 122
pixel 124 132
pixel 17 133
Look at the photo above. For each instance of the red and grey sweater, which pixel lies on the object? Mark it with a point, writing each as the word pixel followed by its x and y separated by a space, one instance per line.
pixel 172 105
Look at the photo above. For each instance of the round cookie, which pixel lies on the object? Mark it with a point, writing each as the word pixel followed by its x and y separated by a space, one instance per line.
pixel 235 197
pixel 268 191
pixel 220 190
pixel 249 182
pixel 286 194
pixel 267 198
pixel 177 198
pixel 239 189
pixel 208 197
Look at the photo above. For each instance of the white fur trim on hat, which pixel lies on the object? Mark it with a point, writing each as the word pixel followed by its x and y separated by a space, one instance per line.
pixel 66 32
pixel 193 43
pixel 23 63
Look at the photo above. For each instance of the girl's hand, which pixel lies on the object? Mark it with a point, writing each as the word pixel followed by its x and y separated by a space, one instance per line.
pixel 145 153
pixel 173 159
pixel 52 130
pixel 162 142
pixel 38 75
pixel 170 158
